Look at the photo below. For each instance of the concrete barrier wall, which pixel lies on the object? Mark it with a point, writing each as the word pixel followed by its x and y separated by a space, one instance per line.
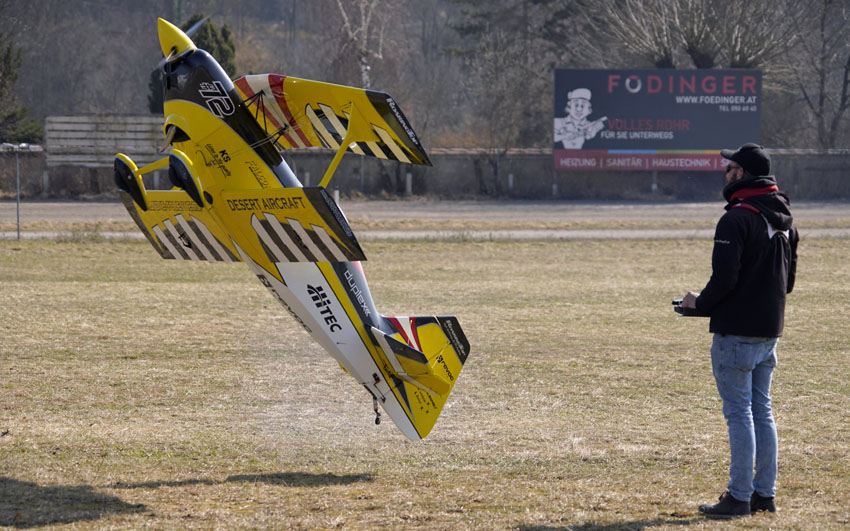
pixel 461 175
pixel 77 163
pixel 521 175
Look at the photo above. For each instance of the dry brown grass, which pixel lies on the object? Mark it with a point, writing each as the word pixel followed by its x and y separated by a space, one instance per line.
pixel 11 225
pixel 138 392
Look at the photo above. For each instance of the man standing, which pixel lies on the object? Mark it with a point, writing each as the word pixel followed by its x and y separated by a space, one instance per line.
pixel 753 267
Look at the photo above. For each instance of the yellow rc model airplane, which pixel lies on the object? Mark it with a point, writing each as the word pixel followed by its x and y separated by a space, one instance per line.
pixel 235 199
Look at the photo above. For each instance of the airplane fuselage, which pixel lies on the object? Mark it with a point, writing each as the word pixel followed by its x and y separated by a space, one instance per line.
pixel 236 199
pixel 229 151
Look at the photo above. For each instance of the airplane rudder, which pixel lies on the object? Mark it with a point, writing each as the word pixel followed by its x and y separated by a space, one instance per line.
pixel 445 346
pixel 454 333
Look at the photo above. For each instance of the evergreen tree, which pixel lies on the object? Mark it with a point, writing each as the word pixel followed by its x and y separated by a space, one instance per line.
pixel 15 123
pixel 219 43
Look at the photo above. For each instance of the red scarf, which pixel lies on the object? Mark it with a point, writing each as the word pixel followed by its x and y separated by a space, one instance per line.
pixel 746 193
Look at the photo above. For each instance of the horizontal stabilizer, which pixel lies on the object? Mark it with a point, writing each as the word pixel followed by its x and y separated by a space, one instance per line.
pixel 179 229
pixel 411 365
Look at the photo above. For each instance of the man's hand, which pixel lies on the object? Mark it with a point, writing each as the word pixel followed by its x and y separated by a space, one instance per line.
pixel 690 300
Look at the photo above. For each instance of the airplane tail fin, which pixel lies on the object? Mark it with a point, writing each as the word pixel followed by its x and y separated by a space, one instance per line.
pixel 424 356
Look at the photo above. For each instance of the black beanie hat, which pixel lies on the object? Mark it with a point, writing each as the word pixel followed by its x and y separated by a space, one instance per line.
pixel 751 157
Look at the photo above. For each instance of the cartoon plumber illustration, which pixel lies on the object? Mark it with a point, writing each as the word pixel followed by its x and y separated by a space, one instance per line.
pixel 573 129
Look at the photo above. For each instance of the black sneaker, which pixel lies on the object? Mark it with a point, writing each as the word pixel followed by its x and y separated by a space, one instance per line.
pixel 728 507
pixel 761 503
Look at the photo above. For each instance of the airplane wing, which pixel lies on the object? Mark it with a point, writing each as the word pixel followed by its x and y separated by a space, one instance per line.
pixel 293 224
pixel 280 225
pixel 301 113
pixel 179 229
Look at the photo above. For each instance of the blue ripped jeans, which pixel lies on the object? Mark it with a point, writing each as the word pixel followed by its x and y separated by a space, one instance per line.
pixel 743 370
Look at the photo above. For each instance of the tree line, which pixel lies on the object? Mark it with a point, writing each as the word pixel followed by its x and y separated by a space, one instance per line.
pixel 468 73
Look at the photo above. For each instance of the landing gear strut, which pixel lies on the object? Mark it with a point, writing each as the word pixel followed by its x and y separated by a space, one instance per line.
pixel 377 412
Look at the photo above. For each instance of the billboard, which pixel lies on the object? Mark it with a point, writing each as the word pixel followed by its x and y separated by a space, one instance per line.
pixel 656 120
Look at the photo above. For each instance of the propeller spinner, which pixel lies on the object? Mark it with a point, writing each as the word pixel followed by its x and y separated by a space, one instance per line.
pixel 173 41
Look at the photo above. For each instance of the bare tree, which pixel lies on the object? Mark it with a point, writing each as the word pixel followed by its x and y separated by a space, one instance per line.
pixel 697 22
pixel 708 33
pixel 645 28
pixel 364 26
pixel 511 49
pixel 501 87
pixel 757 32
pixel 431 75
pixel 95 57
pixel 821 66
pixel 82 61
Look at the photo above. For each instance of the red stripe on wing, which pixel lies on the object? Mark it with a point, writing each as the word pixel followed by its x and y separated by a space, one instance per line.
pixel 276 85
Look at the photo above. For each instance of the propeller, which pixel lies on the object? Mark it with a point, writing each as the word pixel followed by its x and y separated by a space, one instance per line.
pixel 196 26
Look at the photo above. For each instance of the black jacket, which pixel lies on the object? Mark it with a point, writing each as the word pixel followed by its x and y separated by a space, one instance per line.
pixel 754 261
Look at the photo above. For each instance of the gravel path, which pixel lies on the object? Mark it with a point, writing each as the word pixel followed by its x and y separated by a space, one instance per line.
pixel 502 212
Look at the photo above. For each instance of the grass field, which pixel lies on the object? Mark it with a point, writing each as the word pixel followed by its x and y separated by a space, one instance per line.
pixel 137 392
